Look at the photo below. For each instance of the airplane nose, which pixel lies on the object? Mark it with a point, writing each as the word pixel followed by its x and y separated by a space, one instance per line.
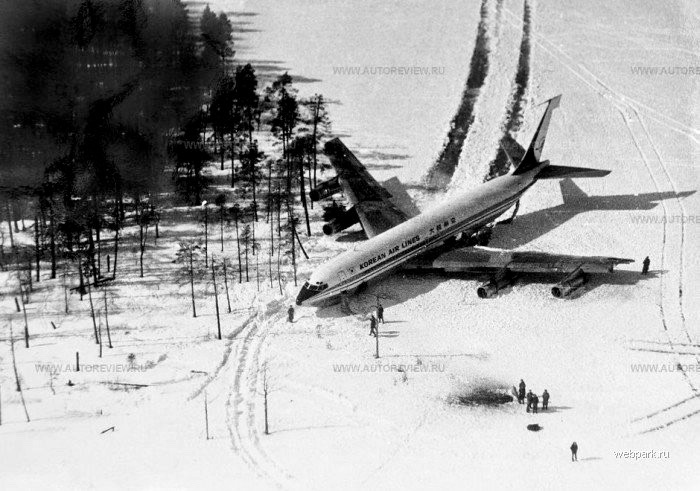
pixel 304 294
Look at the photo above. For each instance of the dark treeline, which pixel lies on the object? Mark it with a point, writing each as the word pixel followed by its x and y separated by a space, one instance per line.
pixel 111 105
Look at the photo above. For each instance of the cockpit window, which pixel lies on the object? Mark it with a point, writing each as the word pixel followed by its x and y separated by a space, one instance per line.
pixel 316 287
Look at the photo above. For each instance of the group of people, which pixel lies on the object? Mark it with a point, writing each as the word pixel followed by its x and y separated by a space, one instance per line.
pixel 533 400
pixel 377 315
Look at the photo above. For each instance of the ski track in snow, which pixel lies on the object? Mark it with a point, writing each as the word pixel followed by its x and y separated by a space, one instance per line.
pixel 671 309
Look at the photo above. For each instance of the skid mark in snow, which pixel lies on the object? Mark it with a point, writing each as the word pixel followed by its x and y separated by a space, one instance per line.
pixel 671 303
pixel 441 172
pixel 481 144
pixel 501 164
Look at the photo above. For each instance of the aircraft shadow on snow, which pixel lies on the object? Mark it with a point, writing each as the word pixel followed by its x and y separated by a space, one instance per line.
pixel 530 226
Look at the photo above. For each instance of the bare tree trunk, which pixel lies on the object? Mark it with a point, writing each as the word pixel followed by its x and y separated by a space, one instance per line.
pixel 302 195
pixel 233 159
pixel 194 307
pixel 9 224
pixel 314 135
pixel 92 313
pixel 117 225
pixel 238 247
pixel 26 324
pixel 37 248
pixel 216 300
pixel 14 366
pixel 65 287
pixel 228 299
pixel 265 392
pixel 109 336
pixel 206 235
pixel 52 234
pixel 221 226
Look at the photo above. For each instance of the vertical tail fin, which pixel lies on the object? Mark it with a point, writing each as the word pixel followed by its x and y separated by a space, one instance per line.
pixel 531 159
pixel 571 193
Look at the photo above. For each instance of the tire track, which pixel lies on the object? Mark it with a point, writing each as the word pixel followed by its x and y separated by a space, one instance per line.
pixel 242 407
pixel 440 174
pixel 633 120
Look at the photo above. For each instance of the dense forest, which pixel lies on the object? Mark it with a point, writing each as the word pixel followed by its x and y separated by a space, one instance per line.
pixel 112 112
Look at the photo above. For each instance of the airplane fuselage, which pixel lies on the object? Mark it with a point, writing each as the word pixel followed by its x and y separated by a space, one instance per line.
pixel 466 211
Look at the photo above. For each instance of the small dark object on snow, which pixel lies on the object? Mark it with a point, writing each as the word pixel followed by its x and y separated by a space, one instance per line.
pixel 290 314
pixel 534 427
pixel 111 428
pixel 484 397
pixel 645 265
pixel 70 383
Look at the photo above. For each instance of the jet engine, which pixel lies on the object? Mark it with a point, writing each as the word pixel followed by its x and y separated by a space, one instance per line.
pixel 501 280
pixel 570 284
pixel 347 219
pixel 325 189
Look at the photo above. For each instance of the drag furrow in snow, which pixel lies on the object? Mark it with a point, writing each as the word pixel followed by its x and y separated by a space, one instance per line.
pixel 439 175
pixel 485 133
pixel 514 118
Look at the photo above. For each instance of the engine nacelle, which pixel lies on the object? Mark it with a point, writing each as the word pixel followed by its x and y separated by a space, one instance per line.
pixel 491 288
pixel 347 219
pixel 325 189
pixel 570 284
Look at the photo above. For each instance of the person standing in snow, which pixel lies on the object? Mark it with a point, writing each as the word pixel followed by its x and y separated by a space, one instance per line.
pixel 372 325
pixel 380 312
pixel 521 392
pixel 529 400
pixel 290 314
pixel 574 450
pixel 545 400
pixel 645 265
pixel 535 402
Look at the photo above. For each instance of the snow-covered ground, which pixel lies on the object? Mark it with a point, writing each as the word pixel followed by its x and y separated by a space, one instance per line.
pixel 339 418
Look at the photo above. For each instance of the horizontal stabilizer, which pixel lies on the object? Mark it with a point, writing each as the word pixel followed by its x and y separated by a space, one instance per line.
pixel 562 171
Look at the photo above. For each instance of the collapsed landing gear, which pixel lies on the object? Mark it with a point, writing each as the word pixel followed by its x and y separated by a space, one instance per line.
pixel 508 221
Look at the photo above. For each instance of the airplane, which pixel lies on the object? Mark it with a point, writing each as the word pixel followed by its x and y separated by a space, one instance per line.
pixel 396 239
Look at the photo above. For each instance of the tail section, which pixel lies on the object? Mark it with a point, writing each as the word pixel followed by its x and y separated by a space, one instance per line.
pixel 534 151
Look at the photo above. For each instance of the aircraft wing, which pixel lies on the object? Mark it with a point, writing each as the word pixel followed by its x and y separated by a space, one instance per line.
pixel 486 259
pixel 375 209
